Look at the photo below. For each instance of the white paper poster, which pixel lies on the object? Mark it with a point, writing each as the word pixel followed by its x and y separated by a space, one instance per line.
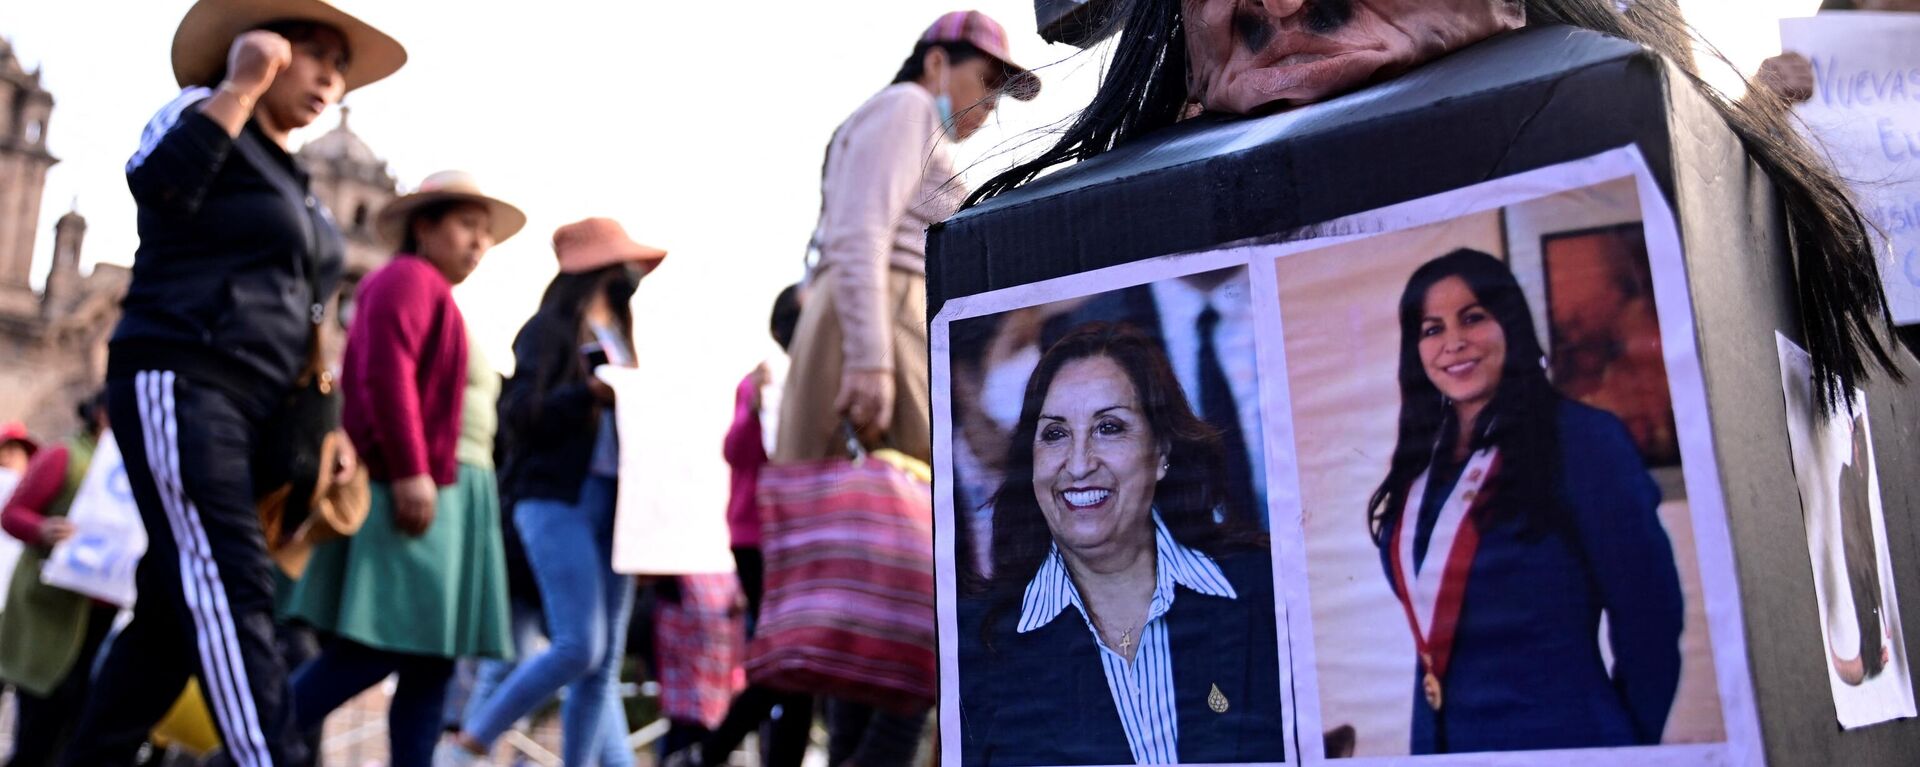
pixel 108 539
pixel 1865 110
pixel 1866 653
pixel 671 518
pixel 1534 326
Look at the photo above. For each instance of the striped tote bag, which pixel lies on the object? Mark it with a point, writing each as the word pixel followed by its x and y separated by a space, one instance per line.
pixel 848 611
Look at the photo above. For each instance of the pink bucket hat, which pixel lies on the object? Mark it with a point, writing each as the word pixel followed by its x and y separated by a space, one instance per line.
pixel 981 31
pixel 589 244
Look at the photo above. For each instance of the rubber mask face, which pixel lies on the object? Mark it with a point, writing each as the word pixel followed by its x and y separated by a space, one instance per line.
pixel 1245 56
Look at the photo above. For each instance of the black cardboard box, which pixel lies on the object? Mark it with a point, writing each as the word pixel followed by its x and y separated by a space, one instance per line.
pixel 1520 102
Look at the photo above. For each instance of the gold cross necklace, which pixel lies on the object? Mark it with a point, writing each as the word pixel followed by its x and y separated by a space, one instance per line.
pixel 1126 637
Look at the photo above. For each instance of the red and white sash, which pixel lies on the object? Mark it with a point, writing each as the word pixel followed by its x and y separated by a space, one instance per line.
pixel 1433 594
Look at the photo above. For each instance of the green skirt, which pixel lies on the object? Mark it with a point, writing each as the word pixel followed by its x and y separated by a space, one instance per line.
pixel 442 594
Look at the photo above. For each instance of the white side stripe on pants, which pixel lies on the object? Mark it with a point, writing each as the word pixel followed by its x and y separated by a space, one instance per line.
pixel 224 674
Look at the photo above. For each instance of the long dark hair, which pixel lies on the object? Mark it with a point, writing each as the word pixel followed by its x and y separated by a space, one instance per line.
pixel 1842 308
pixel 1186 497
pixel 568 296
pixel 1521 420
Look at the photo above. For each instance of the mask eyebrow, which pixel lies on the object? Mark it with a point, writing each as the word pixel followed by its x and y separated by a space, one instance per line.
pixel 1324 17
pixel 1252 30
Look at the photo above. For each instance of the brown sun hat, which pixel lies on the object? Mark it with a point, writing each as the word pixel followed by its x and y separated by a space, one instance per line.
pixel 391 223
pixel 589 244
pixel 206 33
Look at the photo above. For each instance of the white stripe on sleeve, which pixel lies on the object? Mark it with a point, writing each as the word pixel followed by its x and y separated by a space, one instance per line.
pixel 164 120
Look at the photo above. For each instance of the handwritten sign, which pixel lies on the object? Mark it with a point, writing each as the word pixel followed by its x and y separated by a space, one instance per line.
pixel 1865 111
pixel 108 538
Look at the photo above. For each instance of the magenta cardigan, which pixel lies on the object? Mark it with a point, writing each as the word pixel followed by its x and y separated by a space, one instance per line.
pixel 405 373
pixel 745 454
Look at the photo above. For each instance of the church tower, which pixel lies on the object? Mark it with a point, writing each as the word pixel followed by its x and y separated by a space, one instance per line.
pixel 64 283
pixel 354 183
pixel 24 109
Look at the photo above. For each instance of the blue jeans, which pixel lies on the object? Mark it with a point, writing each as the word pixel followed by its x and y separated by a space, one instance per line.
pixel 570 547
pixel 344 669
pixel 488 673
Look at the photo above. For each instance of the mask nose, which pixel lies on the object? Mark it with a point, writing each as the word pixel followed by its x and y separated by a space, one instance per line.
pixel 1280 9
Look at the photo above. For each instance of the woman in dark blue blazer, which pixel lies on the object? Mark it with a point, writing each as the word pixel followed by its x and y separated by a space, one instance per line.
pixel 1511 520
pixel 1123 624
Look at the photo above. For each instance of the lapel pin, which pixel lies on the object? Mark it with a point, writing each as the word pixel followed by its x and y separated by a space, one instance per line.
pixel 1217 701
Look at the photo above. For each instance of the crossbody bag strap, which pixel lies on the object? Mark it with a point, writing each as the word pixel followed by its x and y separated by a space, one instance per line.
pixel 277 176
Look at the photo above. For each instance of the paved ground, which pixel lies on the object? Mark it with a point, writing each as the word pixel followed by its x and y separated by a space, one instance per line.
pixel 356 736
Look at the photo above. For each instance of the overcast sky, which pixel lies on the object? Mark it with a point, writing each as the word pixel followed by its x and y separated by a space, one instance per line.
pixel 699 125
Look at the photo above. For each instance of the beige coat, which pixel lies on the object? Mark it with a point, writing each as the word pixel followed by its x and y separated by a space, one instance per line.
pixel 889 175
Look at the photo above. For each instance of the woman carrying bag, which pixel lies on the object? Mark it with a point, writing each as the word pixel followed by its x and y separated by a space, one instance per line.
pixel 237 261
pixel 860 354
pixel 425 581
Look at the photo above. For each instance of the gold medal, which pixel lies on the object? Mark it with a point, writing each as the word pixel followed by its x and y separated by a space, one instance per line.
pixel 1432 686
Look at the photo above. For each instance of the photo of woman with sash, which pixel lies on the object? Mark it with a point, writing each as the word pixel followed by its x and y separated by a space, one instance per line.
pixel 1511 520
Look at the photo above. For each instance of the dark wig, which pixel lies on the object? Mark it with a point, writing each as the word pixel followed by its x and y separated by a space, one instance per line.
pixel 1842 310
pixel 1522 420
pixel 1187 497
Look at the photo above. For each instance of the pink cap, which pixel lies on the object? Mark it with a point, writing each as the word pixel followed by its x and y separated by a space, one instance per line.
pixel 981 31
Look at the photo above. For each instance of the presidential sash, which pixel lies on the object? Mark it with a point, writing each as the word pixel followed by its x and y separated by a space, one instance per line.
pixel 1432 594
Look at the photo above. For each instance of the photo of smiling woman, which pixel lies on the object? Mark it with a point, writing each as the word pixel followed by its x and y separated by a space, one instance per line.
pixel 1124 622
pixel 1511 518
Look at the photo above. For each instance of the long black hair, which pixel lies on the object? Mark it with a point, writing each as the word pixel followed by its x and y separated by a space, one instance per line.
pixel 1841 304
pixel 1522 420
pixel 1187 496
pixel 569 294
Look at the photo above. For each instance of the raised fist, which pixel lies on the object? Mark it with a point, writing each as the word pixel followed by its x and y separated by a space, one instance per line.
pixel 255 59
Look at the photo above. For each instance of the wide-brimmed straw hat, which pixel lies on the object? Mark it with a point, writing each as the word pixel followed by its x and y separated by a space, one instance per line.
pixel 982 32
pixel 586 245
pixel 206 33
pixel 391 223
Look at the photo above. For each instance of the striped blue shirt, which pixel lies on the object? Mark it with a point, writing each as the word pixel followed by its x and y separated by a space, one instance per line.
pixel 1142 690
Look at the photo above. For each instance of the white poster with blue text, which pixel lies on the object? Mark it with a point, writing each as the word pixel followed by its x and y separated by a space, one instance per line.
pixel 1865 111
pixel 109 539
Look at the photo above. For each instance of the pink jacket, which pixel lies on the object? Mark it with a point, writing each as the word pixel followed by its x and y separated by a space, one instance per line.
pixel 745 454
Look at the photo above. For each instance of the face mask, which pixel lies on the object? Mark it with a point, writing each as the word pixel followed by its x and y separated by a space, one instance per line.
pixel 943 103
pixel 621 288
